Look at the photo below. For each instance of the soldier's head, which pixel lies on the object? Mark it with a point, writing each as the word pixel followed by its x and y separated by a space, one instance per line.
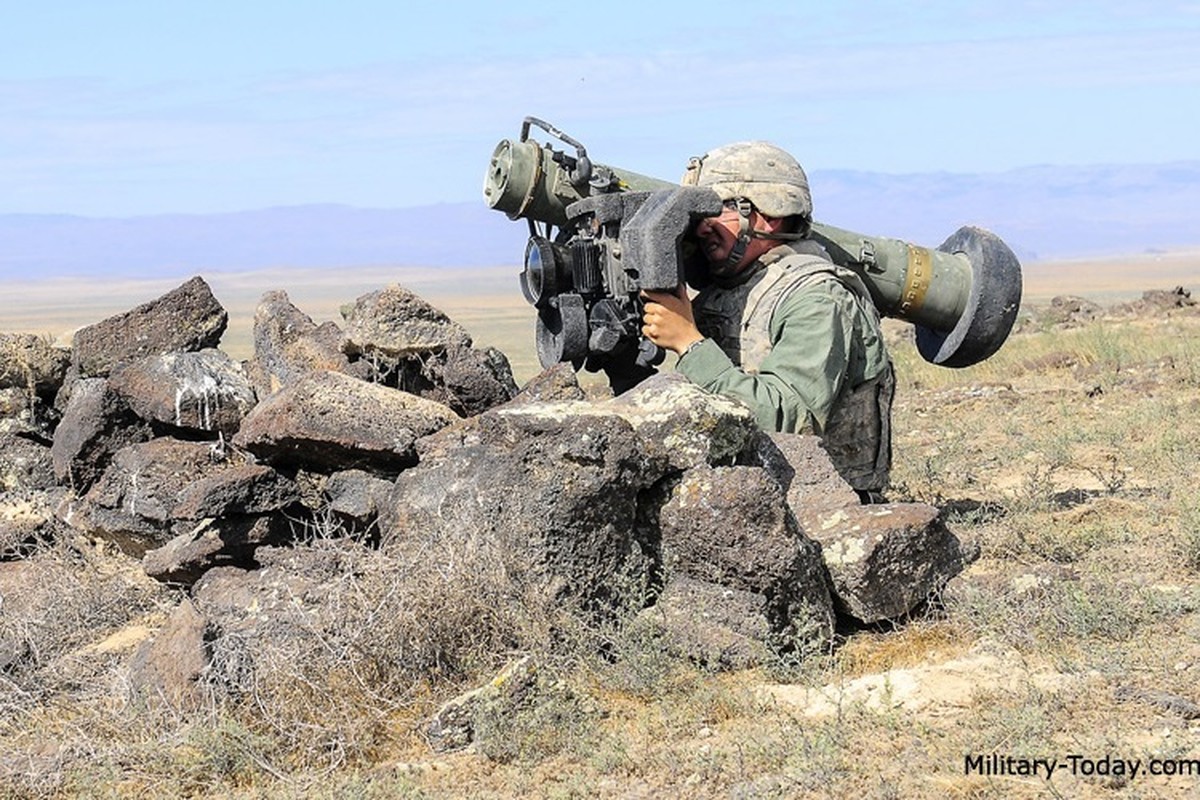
pixel 766 201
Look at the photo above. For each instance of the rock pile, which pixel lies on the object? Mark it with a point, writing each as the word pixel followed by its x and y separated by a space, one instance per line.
pixel 1067 311
pixel 395 429
pixel 1158 303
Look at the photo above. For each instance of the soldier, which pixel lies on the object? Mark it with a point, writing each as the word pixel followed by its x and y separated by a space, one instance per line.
pixel 776 323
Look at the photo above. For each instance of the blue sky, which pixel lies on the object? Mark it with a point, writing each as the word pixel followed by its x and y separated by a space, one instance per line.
pixel 122 108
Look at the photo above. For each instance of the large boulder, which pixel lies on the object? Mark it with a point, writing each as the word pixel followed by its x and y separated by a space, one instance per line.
pixel 559 489
pixel 731 526
pixel 885 560
pixel 204 391
pixel 395 322
pixel 97 422
pixel 328 420
pixel 186 318
pixel 799 464
pixel 404 342
pixel 684 424
pixel 677 424
pixel 288 345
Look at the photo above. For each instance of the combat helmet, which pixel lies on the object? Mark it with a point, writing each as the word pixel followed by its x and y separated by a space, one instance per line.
pixel 762 173
pixel 759 175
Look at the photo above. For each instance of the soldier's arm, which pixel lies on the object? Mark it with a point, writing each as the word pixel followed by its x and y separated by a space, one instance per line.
pixel 804 373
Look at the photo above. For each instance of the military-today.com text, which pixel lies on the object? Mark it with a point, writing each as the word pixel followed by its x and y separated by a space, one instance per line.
pixel 996 765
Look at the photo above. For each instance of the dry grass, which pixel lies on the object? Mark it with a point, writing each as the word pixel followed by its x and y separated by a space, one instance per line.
pixel 1069 458
pixel 348 679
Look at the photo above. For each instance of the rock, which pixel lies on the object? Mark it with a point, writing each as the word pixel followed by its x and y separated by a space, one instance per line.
pixel 23 413
pixel 395 322
pixel 356 495
pixel 15 406
pixel 185 319
pixel 97 422
pixel 210 543
pixel 730 526
pixel 290 583
pixel 330 420
pixel 255 616
pixel 31 373
pixel 678 425
pixel 684 424
pixel 31 363
pixel 288 345
pixel 520 712
pixel 168 668
pixel 559 490
pixel 63 614
pixel 1071 311
pixel 296 617
pixel 885 559
pixel 456 723
pixel 405 343
pixel 132 534
pixel 24 464
pixel 1165 701
pixel 150 486
pixel 235 489
pixel 203 391
pixel 801 467
pixel 715 626
pixel 1166 300
pixel 556 383
pixel 471 380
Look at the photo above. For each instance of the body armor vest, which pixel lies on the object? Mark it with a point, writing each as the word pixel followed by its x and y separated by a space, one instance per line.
pixel 857 434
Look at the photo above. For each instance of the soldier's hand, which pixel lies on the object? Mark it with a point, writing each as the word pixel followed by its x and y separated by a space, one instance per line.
pixel 667 319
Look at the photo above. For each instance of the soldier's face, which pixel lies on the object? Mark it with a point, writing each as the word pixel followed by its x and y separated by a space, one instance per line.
pixel 718 234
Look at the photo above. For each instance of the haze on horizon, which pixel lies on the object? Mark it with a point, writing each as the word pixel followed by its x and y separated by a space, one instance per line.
pixel 128 108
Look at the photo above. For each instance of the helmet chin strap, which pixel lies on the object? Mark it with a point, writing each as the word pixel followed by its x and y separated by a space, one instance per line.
pixel 745 234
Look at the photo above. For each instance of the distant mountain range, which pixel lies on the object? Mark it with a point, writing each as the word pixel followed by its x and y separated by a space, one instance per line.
pixel 1041 212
